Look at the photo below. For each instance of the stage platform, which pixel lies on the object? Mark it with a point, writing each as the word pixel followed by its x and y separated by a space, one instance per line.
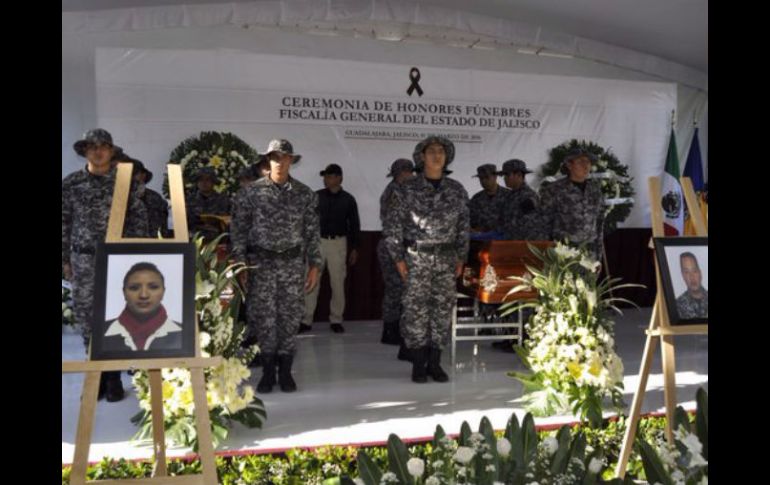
pixel 352 390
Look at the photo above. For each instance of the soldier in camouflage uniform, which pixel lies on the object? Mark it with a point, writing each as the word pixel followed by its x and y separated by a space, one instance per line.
pixel 693 303
pixel 401 170
pixel 486 206
pixel 157 207
pixel 521 214
pixel 205 200
pixel 426 234
pixel 276 231
pixel 86 203
pixel 573 207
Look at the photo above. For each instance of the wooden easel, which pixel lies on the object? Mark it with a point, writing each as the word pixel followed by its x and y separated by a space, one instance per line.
pixel 94 369
pixel 660 328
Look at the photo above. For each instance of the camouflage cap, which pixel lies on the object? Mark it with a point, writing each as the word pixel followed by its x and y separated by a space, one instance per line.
pixel 514 165
pixel 207 171
pixel 139 167
pixel 248 172
pixel 574 154
pixel 417 155
pixel 577 153
pixel 486 170
pixel 97 136
pixel 282 146
pixel 400 165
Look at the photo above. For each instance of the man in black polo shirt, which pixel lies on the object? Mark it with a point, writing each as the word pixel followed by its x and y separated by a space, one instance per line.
pixel 340 229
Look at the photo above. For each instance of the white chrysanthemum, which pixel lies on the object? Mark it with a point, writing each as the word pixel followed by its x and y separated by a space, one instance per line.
pixel 432 480
pixel 677 476
pixel 696 459
pixel 595 465
pixel 416 467
pixel 463 455
pixel 551 445
pixel 503 447
pixel 205 339
pixel 690 441
pixel 589 264
pixel 388 477
pixel 565 251
pixel 203 288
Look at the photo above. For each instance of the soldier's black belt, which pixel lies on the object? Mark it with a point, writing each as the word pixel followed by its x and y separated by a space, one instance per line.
pixel 429 246
pixel 261 252
pixel 83 250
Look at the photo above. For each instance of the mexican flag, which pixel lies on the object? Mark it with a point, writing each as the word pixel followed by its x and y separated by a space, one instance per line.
pixel 672 199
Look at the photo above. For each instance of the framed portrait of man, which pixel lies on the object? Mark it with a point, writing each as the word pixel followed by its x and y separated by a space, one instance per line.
pixel 684 271
pixel 144 301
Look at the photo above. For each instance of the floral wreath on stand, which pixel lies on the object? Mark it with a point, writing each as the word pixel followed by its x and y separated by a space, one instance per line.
pixel 224 152
pixel 615 182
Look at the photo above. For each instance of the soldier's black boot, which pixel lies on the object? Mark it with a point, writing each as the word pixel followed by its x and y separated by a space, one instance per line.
pixel 404 353
pixel 256 361
pixel 102 386
pixel 284 373
pixel 113 386
pixel 419 362
pixel 434 365
pixel 390 333
pixel 268 374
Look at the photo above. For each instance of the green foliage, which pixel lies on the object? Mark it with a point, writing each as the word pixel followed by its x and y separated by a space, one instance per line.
pixel 570 354
pixel 314 467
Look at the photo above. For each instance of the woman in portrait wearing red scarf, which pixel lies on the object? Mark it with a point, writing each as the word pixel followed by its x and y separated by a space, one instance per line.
pixel 143 324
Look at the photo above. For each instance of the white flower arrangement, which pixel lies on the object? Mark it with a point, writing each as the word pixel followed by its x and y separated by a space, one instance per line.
pixel 228 396
pixel 571 352
pixel 224 152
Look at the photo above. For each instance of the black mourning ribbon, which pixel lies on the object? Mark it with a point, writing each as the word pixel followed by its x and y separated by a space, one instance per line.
pixel 414 76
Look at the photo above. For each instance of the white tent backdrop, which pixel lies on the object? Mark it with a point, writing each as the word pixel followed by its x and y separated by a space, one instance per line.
pixel 359 115
pixel 479 36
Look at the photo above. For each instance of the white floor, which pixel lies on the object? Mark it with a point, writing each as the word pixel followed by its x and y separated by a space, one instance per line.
pixel 353 390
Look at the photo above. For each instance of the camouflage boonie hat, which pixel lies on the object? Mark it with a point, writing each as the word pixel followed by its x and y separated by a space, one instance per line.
pixel 486 170
pixel 97 136
pixel 573 154
pixel 248 172
pixel 139 167
pixel 282 146
pixel 206 171
pixel 400 165
pixel 417 155
pixel 515 165
pixel 577 153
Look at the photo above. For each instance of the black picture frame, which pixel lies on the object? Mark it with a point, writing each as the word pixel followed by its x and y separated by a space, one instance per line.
pixel 668 252
pixel 176 262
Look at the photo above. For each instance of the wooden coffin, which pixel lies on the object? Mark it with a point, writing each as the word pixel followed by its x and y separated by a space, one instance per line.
pixel 491 263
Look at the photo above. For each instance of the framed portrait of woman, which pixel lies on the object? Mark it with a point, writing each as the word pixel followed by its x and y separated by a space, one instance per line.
pixel 144 301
